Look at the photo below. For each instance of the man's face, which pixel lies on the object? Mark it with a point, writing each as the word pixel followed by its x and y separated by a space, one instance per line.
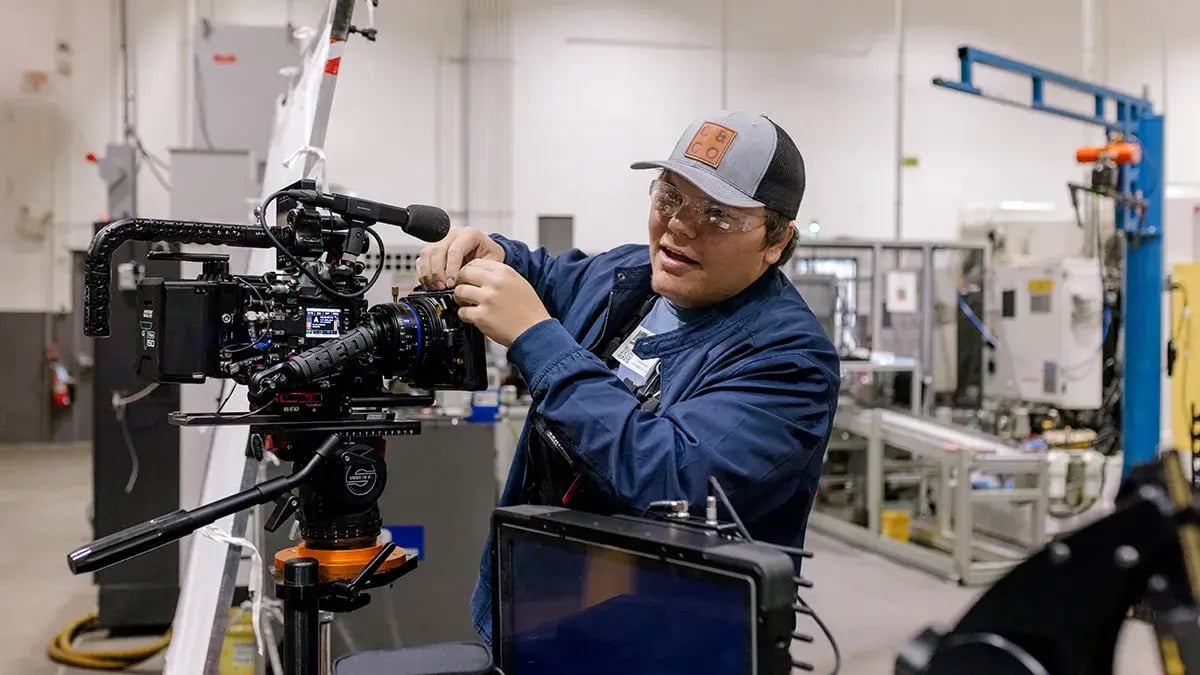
pixel 695 263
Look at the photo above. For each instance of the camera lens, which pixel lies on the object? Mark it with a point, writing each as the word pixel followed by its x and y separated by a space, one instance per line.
pixel 427 344
pixel 418 339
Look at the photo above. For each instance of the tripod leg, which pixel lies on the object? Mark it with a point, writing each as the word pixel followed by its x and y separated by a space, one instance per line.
pixel 301 617
pixel 326 643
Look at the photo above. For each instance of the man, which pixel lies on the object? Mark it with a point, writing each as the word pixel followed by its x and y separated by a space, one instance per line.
pixel 654 367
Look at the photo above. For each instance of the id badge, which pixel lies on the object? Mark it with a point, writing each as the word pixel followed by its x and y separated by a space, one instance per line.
pixel 625 356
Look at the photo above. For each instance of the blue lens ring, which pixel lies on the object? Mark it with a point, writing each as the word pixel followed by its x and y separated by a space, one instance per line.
pixel 420 334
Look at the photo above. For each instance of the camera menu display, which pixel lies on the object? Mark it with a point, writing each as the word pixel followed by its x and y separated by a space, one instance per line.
pixel 322 322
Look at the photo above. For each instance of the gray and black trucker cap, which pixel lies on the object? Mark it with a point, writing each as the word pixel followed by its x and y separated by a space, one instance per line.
pixel 739 159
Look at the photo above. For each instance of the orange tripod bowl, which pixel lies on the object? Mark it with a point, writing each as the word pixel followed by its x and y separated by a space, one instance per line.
pixel 340 564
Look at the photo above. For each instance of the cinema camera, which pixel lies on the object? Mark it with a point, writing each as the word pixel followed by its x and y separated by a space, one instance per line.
pixel 315 360
pixel 243 326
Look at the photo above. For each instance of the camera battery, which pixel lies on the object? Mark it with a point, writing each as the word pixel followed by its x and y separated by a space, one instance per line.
pixel 179 324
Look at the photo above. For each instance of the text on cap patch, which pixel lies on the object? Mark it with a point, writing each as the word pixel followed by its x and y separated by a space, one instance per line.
pixel 710 143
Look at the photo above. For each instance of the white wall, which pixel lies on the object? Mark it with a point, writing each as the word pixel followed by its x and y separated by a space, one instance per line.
pixel 1138 36
pixel 595 86
pixel 602 84
pixel 389 133
pixel 973 151
pixel 44 137
pixel 826 74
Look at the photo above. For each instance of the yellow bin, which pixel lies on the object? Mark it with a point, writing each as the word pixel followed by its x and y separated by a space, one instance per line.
pixel 896 524
pixel 237 652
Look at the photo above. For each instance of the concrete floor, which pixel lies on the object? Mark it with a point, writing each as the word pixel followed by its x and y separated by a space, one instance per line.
pixel 45 497
pixel 872 606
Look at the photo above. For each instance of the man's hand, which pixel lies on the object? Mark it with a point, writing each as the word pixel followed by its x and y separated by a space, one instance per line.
pixel 498 300
pixel 438 264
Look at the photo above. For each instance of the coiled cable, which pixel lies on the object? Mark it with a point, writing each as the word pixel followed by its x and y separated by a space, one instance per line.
pixel 62 648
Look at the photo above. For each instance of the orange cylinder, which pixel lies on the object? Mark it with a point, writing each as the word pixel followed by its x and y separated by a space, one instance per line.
pixel 1120 153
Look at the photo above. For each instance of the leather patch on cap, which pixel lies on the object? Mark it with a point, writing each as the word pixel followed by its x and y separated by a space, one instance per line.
pixel 710 143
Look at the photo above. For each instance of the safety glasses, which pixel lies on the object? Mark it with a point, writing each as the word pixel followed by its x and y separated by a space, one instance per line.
pixel 669 202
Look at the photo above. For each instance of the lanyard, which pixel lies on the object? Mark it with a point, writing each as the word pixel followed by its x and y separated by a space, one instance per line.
pixel 648 393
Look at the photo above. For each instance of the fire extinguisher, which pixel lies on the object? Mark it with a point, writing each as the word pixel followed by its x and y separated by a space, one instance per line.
pixel 62 385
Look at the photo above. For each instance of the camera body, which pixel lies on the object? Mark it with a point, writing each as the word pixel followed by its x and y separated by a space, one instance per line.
pixel 225 326
pixel 306 324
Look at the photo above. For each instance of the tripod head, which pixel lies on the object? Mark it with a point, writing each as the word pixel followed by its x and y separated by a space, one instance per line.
pixel 338 475
pixel 337 509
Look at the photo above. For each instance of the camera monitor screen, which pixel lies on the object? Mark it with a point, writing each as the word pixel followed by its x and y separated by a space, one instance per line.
pixel 570 606
pixel 322 322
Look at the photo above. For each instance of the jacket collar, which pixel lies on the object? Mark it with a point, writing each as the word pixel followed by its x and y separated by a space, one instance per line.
pixel 633 283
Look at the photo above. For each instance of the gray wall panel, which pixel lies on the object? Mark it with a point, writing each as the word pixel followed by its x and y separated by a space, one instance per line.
pixel 237 83
pixel 24 402
pixel 25 412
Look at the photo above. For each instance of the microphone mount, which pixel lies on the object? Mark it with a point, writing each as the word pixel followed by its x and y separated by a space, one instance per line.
pixel 352 209
pixel 339 226
pixel 423 222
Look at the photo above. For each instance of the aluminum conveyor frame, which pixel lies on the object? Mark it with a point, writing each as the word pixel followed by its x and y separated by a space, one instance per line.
pixel 956 452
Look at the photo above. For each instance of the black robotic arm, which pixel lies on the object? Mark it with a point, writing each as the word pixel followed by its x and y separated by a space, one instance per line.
pixel 1060 611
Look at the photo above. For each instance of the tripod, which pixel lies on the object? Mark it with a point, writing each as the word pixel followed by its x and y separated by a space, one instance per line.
pixel 305 595
pixel 338 475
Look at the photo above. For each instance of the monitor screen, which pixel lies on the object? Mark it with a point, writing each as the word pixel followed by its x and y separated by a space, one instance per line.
pixel 322 322
pixel 573 607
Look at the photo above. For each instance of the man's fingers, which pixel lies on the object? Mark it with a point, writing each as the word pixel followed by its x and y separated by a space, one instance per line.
pixel 473 273
pixel 470 314
pixel 430 264
pixel 440 265
pixel 480 271
pixel 466 294
pixel 488 264
pixel 437 267
pixel 424 275
pixel 455 256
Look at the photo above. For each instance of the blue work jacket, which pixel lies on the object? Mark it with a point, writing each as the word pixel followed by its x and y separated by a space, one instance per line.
pixel 748 394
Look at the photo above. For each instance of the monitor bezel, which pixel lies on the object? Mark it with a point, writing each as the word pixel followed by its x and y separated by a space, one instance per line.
pixel 768 572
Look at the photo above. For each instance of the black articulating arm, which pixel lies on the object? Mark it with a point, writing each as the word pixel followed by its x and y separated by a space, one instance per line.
pixel 1059 612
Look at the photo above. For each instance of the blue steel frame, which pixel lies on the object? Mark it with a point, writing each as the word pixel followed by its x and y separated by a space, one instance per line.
pixel 1135 120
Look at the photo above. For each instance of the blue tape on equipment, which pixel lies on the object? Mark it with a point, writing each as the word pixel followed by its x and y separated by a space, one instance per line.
pixel 411 537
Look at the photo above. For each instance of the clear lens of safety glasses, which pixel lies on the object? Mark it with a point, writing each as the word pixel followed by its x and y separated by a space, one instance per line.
pixel 668 201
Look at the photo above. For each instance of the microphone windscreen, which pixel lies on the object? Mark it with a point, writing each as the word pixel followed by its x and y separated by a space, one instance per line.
pixel 427 223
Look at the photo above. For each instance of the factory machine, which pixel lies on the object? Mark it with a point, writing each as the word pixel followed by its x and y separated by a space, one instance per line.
pixel 951 367
pixel 986 397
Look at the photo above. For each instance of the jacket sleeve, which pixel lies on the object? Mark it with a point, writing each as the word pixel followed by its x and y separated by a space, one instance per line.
pixel 755 427
pixel 555 278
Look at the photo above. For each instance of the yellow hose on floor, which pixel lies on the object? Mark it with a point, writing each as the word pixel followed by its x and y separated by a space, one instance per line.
pixel 62 650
